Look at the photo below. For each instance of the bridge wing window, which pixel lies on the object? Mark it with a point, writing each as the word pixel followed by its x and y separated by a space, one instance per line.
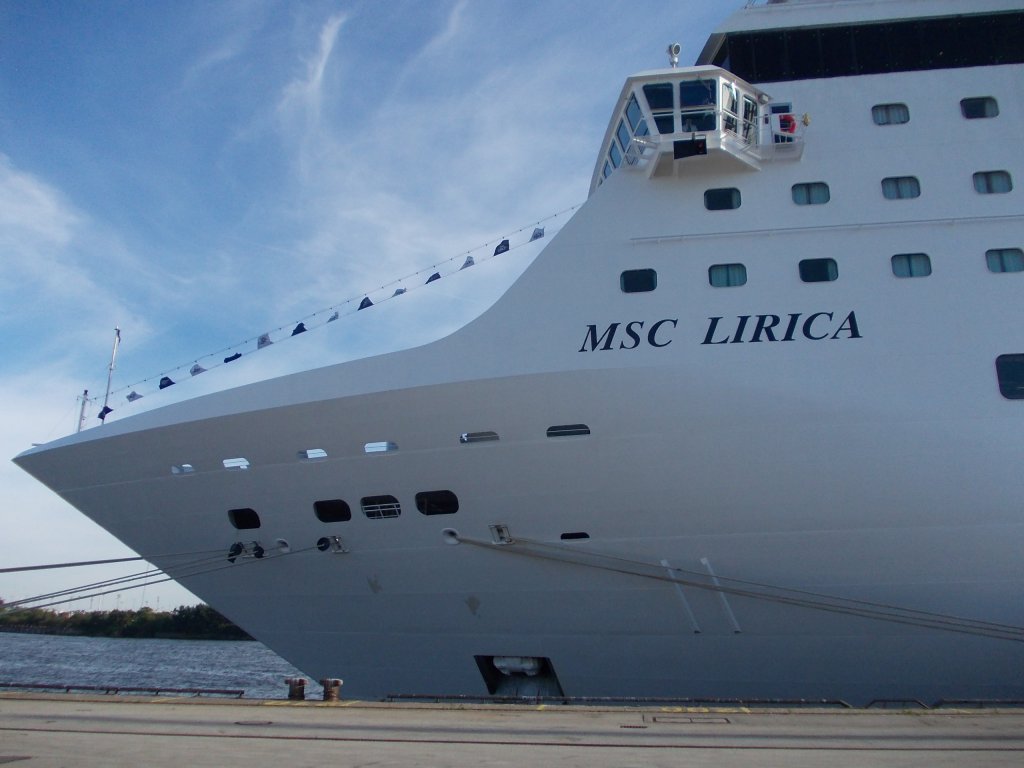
pixel 636 117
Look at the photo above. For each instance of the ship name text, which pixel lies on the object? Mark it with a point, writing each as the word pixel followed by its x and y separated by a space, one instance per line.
pixel 749 329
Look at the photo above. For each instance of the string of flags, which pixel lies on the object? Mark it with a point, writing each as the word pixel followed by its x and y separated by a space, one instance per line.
pixel 263 340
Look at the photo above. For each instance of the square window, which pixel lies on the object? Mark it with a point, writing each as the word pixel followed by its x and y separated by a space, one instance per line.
pixel 722 199
pixel 819 270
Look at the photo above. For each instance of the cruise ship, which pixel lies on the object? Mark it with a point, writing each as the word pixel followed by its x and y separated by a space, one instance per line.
pixel 749 427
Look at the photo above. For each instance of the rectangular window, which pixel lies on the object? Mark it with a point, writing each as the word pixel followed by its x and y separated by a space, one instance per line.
pixel 727 275
pixel 478 437
pixel 244 519
pixel 568 430
pixel 811 193
pixel 1005 260
pixel 818 270
pixel 623 136
pixel 992 182
pixel 634 115
pixel 659 99
pixel 332 511
pixel 911 265
pixel 1010 371
pixel 638 280
pixel 383 446
pixel 722 199
pixel 614 155
pixel 901 187
pixel 979 107
pixel 437 503
pixel 697 101
pixel 890 114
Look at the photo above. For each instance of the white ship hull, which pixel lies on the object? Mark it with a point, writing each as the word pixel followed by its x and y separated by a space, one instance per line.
pixel 832 514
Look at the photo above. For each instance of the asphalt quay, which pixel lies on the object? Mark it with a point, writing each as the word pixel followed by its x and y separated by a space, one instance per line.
pixel 44 730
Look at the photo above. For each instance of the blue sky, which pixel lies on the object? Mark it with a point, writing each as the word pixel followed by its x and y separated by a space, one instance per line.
pixel 198 173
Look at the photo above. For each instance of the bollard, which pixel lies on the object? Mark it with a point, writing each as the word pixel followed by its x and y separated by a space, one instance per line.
pixel 296 688
pixel 332 688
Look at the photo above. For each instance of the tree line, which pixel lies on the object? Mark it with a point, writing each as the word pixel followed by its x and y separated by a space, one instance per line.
pixel 191 622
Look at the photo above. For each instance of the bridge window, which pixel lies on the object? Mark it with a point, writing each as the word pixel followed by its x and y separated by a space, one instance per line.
pixel 1010 371
pixel 811 193
pixel 727 275
pixel 979 107
pixel 659 99
pixel 992 182
pixel 244 519
pixel 697 101
pixel 818 270
pixel 911 265
pixel 901 187
pixel 638 280
pixel 890 114
pixel 723 199
pixel 437 503
pixel 332 511
pixel 1005 260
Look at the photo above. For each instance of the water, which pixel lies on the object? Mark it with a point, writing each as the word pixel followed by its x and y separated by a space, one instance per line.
pixel 131 662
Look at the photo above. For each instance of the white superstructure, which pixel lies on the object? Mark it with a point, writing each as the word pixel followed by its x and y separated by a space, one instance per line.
pixel 749 427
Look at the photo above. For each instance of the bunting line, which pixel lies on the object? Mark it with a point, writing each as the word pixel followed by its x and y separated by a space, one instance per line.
pixel 312 321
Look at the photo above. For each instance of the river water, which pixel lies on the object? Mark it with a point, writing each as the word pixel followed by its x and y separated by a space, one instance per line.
pixel 130 662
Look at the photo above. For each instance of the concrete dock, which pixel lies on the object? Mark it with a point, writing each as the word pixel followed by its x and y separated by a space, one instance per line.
pixel 45 730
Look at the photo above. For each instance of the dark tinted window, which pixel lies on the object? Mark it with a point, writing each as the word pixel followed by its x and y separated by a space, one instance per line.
pixel 437 503
pixel 978 108
pixel 244 518
pixel 722 199
pixel 638 280
pixel 818 270
pixel 1010 370
pixel 969 40
pixel 332 511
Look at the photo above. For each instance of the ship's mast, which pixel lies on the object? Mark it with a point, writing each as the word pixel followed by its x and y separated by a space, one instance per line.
pixel 110 374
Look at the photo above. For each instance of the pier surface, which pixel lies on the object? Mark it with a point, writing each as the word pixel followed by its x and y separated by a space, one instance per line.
pixel 43 730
